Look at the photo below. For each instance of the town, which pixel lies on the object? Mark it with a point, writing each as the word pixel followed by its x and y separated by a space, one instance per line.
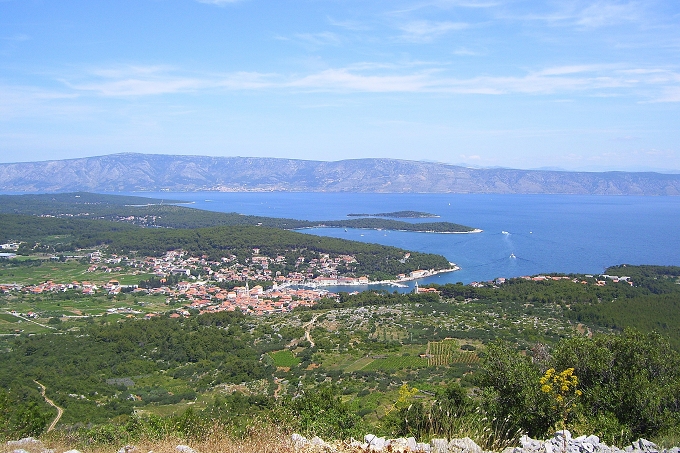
pixel 193 284
pixel 259 286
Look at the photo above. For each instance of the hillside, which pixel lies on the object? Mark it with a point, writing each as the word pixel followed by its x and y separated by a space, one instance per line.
pixel 145 172
pixel 346 366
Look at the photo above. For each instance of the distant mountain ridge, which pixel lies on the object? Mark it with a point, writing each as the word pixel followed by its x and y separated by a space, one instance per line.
pixel 156 172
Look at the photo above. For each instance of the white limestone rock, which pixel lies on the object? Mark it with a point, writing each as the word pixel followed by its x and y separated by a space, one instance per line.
pixel 400 445
pixel 439 446
pixel 464 445
pixel 299 441
pixel 318 442
pixel 563 434
pixel 184 449
pixel 128 449
pixel 26 442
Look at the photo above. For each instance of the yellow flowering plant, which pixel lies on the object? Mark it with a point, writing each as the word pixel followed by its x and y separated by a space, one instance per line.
pixel 404 415
pixel 406 394
pixel 562 388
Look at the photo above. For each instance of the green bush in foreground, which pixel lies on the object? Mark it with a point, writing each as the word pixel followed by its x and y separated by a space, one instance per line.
pixel 630 386
pixel 21 416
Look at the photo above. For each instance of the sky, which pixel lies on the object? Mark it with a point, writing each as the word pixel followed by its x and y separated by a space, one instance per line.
pixel 571 84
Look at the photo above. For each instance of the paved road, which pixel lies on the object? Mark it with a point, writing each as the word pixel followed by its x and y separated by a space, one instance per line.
pixel 29 320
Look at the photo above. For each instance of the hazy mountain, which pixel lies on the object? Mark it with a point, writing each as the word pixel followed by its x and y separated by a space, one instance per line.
pixel 148 172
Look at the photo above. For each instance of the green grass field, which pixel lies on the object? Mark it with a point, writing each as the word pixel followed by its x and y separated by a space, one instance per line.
pixel 359 364
pixel 18 325
pixel 284 358
pixel 72 304
pixel 65 272
pixel 8 318
pixel 394 363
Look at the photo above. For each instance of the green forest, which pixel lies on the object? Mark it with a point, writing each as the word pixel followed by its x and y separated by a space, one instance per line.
pixel 58 235
pixel 378 261
pixel 151 212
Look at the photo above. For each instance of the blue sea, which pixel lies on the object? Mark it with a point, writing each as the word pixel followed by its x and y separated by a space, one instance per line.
pixel 522 234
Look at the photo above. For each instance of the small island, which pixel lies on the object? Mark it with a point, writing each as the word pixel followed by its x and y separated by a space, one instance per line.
pixel 399 215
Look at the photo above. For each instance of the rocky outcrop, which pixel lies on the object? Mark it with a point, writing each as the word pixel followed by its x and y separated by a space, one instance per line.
pixel 27 445
pixel 562 442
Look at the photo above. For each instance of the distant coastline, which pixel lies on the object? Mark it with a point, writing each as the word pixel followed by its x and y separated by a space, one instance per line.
pixel 395 282
pixel 399 215
pixel 475 230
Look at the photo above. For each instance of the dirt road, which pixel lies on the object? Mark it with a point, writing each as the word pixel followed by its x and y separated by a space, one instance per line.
pixel 60 411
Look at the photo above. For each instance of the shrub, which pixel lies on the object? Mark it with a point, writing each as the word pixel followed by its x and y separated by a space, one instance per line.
pixel 322 413
pixel 511 391
pixel 632 377
pixel 630 386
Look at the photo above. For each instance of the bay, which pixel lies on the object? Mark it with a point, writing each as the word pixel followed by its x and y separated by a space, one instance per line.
pixel 522 234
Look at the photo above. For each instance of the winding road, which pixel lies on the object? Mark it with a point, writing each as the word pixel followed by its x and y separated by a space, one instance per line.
pixel 308 328
pixel 60 411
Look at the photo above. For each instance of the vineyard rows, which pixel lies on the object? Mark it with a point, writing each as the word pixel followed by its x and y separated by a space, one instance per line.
pixel 447 352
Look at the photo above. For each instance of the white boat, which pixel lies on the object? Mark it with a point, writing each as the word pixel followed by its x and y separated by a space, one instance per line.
pixel 512 255
pixel 504 232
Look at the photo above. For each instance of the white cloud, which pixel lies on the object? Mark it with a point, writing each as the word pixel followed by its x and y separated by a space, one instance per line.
pixel 246 81
pixel 589 14
pixel 344 80
pixel 465 52
pixel 647 84
pixel 21 101
pixel 19 37
pixel 319 39
pixel 625 138
pixel 141 87
pixel 568 79
pixel 131 70
pixel 218 2
pixel 158 80
pixel 448 4
pixel 135 80
pixel 571 69
pixel 467 3
pixel 426 31
pixel 670 94
pixel 603 13
pixel 352 25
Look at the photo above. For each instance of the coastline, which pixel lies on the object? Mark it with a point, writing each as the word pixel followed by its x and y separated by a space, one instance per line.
pixel 476 230
pixel 397 282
